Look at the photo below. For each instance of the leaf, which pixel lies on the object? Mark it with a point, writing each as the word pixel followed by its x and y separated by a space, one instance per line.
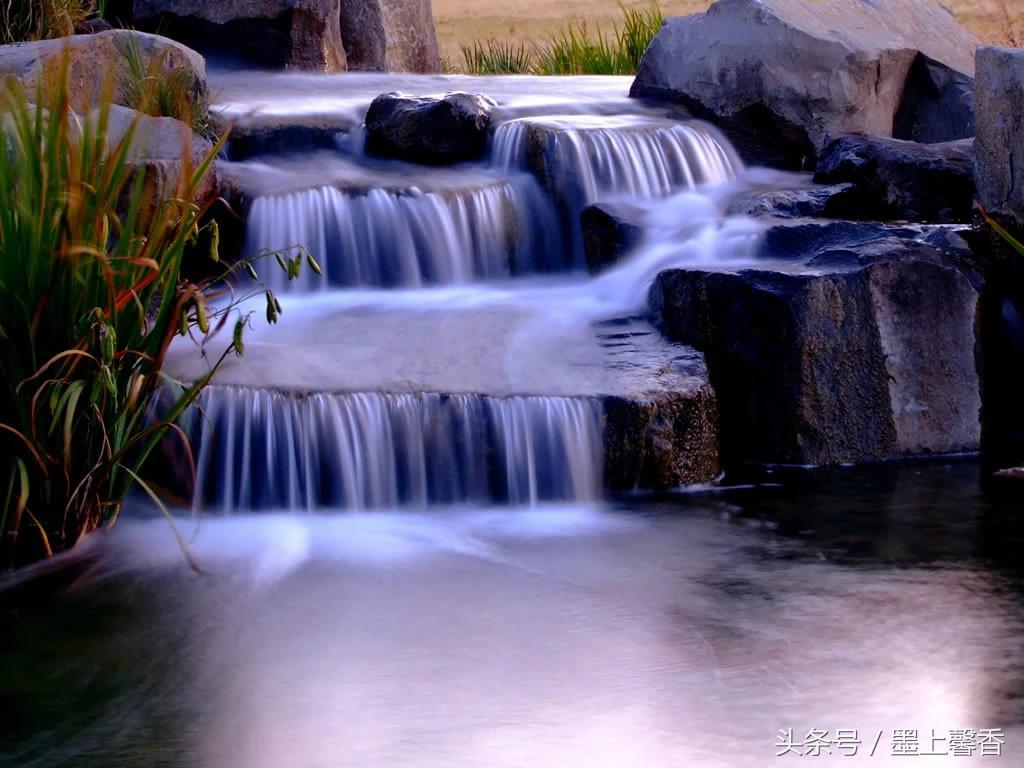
pixel 237 340
pixel 214 241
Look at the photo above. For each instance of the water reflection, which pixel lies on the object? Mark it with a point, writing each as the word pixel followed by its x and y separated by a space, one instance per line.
pixel 684 632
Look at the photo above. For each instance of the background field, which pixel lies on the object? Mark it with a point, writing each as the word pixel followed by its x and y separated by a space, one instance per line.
pixel 461 22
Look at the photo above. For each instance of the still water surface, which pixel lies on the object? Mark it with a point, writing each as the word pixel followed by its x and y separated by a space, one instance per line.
pixel 680 631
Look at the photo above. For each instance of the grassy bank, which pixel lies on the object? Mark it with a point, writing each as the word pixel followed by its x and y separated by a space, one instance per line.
pixel 578 49
pixel 529 23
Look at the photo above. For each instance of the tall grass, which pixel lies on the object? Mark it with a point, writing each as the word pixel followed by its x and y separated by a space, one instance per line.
pixel 576 50
pixel 496 57
pixel 92 293
pixel 42 19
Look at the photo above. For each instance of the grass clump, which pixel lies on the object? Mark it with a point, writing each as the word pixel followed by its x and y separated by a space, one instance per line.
pixel 496 57
pixel 576 50
pixel 92 292
pixel 154 88
pixel 22 20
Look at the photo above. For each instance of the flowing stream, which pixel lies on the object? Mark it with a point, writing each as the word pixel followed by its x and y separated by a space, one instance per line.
pixel 399 547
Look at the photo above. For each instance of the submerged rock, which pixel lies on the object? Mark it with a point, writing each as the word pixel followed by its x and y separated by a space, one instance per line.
pixel 299 34
pixel 906 180
pixel 782 76
pixel 862 347
pixel 390 35
pixel 1000 143
pixel 429 130
pixel 98 62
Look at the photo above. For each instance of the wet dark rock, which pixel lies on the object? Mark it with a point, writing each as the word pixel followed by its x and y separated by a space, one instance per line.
pixel 831 202
pixel 610 230
pixel 782 76
pixel 298 34
pixel 861 346
pixel 429 130
pixel 904 180
pixel 1000 144
pixel 390 35
pixel 937 105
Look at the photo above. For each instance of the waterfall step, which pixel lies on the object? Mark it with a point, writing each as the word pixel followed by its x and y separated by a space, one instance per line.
pixel 292 111
pixel 658 409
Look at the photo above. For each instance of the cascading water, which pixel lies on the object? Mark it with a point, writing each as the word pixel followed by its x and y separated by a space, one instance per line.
pixel 586 159
pixel 382 238
pixel 262 450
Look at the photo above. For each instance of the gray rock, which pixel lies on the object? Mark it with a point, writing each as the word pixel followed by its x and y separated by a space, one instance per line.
pixel 160 146
pixel 299 34
pixel 429 130
pixel 390 35
pixel 906 180
pixel 98 62
pixel 999 146
pixel 784 75
pixel 610 230
pixel 861 348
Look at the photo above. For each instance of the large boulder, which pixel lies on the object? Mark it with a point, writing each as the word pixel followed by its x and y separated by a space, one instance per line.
pixel 298 34
pixel 429 130
pixel 862 347
pixel 999 146
pixel 390 35
pixel 163 148
pixel 98 64
pixel 783 76
pixel 894 179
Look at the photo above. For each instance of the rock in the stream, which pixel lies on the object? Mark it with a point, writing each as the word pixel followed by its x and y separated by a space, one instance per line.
pixel 98 62
pixel 782 76
pixel 299 34
pixel 390 35
pixel 1000 143
pixel 907 180
pixel 861 347
pixel 610 230
pixel 429 130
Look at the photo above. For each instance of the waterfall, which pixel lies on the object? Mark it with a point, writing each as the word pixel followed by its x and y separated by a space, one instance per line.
pixel 262 450
pixel 585 159
pixel 628 157
pixel 383 238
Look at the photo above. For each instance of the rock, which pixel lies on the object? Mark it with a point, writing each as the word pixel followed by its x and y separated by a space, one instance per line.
pixel 100 61
pixel 829 202
pixel 298 34
pixel 894 179
pixel 160 146
pixel 937 105
pixel 782 76
pixel 390 35
pixel 610 230
pixel 861 348
pixel 999 146
pixel 429 130
pixel 92 26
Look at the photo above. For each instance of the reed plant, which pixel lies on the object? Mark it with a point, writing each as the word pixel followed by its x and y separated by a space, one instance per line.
pixel 92 292
pixel 578 49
